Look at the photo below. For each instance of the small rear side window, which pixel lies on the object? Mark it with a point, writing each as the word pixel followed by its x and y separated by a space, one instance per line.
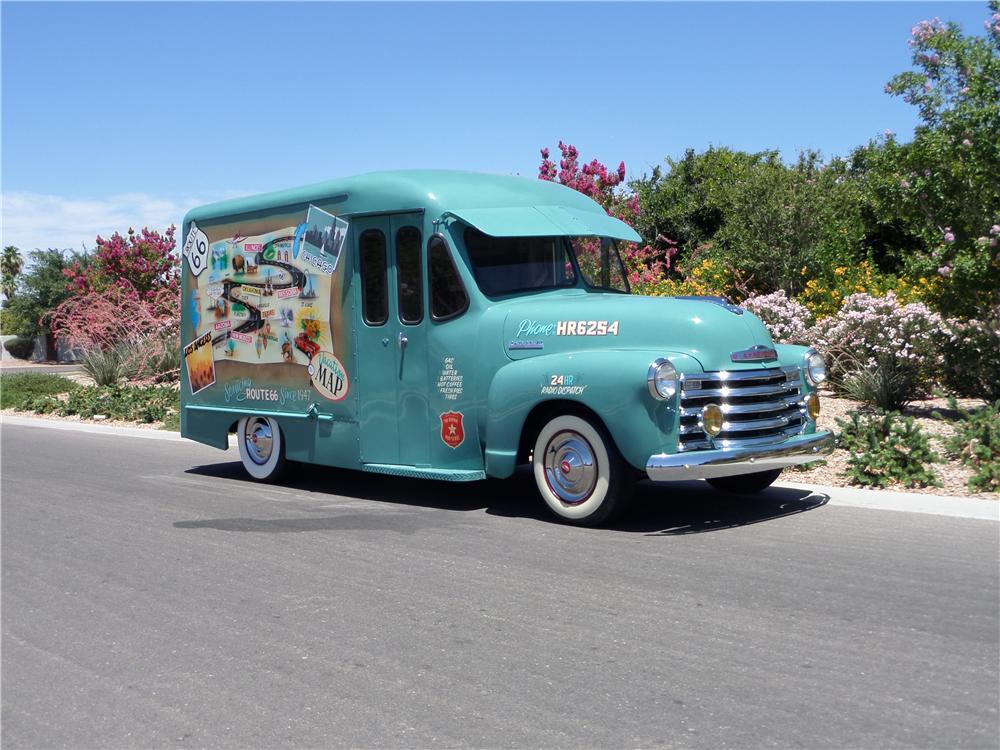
pixel 374 285
pixel 448 296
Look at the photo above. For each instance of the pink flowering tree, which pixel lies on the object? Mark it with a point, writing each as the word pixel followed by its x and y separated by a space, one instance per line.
pixel 143 262
pixel 123 312
pixel 645 264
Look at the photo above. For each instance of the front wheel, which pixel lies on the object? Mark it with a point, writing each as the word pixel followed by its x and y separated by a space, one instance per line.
pixel 262 449
pixel 746 484
pixel 579 472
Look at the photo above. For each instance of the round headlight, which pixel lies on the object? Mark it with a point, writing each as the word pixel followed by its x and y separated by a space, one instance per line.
pixel 815 367
pixel 712 419
pixel 662 379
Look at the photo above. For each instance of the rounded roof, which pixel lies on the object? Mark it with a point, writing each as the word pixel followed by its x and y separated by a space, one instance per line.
pixel 431 190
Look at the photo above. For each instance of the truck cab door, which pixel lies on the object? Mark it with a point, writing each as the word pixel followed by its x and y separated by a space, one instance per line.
pixel 391 338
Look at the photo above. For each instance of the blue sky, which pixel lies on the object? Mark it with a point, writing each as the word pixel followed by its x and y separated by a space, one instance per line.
pixel 118 114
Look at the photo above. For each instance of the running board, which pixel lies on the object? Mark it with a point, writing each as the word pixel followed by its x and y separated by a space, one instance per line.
pixel 416 472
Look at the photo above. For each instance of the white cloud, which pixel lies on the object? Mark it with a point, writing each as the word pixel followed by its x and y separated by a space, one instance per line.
pixel 36 220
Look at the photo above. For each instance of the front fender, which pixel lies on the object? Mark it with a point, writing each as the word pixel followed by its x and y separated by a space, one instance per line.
pixel 611 383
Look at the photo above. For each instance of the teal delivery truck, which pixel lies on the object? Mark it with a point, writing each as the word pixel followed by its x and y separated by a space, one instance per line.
pixel 449 325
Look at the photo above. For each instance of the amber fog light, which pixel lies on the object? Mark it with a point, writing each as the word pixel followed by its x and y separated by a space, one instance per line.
pixel 812 405
pixel 712 419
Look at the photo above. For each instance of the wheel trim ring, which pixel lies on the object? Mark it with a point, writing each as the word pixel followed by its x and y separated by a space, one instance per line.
pixel 570 465
pixel 259 440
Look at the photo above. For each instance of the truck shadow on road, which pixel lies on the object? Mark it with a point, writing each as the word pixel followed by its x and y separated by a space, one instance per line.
pixel 658 510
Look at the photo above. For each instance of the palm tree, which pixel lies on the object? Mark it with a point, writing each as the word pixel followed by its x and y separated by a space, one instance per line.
pixel 11 263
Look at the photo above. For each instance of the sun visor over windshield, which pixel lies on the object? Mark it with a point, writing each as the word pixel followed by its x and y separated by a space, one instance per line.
pixel 545 221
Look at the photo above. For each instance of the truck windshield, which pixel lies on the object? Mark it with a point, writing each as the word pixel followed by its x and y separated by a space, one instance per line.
pixel 600 263
pixel 505 265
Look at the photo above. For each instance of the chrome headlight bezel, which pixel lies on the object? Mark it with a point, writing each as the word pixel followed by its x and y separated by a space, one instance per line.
pixel 662 379
pixel 814 367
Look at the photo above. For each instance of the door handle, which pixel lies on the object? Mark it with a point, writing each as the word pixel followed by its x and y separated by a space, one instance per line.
pixel 403 341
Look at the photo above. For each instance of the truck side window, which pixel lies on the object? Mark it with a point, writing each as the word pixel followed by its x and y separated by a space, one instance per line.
pixel 448 296
pixel 411 299
pixel 374 291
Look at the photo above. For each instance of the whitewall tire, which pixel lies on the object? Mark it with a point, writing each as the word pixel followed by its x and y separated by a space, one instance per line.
pixel 579 472
pixel 262 448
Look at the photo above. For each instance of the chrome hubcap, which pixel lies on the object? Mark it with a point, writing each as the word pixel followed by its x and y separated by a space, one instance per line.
pixel 570 468
pixel 258 439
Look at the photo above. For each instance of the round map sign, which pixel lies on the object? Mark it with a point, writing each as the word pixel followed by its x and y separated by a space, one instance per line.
pixel 328 376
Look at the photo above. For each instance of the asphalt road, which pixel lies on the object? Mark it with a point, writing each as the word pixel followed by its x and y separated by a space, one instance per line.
pixel 152 597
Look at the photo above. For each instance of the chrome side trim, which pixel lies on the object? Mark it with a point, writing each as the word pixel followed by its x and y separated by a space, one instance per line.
pixel 798 449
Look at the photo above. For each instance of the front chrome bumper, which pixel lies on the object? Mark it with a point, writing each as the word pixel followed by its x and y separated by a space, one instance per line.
pixel 707 464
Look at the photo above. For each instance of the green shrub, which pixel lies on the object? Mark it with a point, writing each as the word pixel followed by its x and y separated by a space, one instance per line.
pixel 130 403
pixel 18 390
pixel 20 347
pixel 976 443
pixel 885 449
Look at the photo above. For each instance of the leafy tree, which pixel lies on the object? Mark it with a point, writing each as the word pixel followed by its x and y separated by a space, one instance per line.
pixel 752 214
pixel 40 289
pixel 933 205
pixel 11 264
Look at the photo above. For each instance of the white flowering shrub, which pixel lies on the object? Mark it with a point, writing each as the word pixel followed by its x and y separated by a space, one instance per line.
pixel 880 351
pixel 786 319
pixel 972 356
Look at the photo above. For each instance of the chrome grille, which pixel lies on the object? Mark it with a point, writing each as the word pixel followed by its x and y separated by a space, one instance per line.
pixel 760 407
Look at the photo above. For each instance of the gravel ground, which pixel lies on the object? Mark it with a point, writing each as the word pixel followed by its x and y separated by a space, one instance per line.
pixel 953 475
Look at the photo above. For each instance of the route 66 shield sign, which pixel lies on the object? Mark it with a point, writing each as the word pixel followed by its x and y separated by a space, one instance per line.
pixel 196 250
pixel 452 432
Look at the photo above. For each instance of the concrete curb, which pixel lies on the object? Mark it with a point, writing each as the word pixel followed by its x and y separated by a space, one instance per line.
pixel 94 429
pixel 907 502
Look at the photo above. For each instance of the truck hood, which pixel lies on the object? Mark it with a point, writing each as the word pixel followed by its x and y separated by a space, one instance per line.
pixel 707 331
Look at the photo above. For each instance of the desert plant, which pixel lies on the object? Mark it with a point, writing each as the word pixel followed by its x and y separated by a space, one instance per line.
pixel 108 366
pixel 887 449
pixel 889 385
pixel 163 365
pixel 123 334
pixel 976 443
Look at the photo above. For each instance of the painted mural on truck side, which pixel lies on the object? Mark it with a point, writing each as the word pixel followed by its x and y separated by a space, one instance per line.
pixel 263 309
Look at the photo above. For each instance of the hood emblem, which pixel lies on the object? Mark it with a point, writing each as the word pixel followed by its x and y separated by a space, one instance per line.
pixel 756 353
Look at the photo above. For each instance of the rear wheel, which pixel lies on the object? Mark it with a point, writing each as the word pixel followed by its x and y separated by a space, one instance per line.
pixel 746 484
pixel 579 472
pixel 262 449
